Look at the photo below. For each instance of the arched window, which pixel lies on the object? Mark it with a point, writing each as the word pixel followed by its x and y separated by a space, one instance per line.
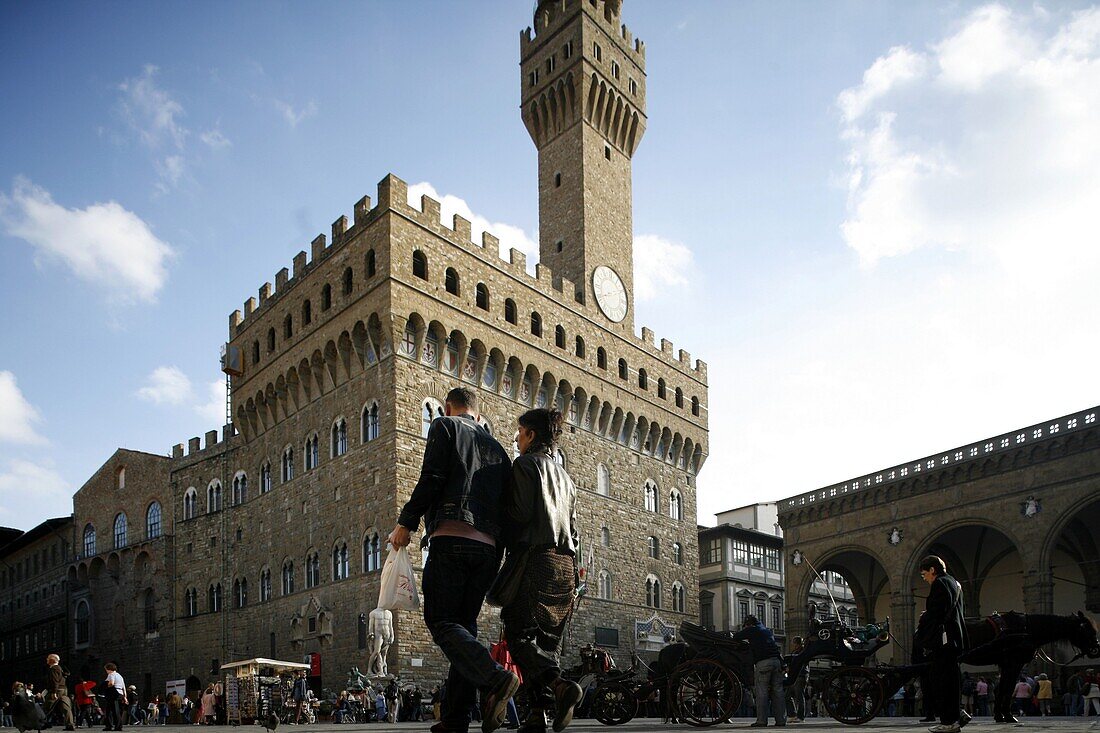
pixel 372 553
pixel 255 352
pixel 240 489
pixel 603 480
pixel 371 265
pixel 420 265
pixel 536 324
pixel 605 537
pixel 677 553
pixel 679 397
pixel 653 592
pixel 152 521
pixel 601 358
pixel 349 281
pixel 339 437
pixel 265 478
pixel 651 500
pixel 340 561
pixel 430 409
pixel 288 326
pixel 240 593
pixel 83 626
pixel 214 497
pixel 695 406
pixel 675 504
pixel 288 463
pixel 661 390
pixel 369 427
pixel 623 371
pixel 307 313
pixel 190 503
pixel 120 531
pixel 214 598
pixel 120 475
pixel 579 351
pixel 678 598
pixel 559 337
pixel 510 311
pixel 271 339
pixel 482 297
pixel 654 548
pixel 451 281
pixel 265 585
pixel 313 570
pixel 326 297
pixel 288 577
pixel 311 454
pixel 191 602
pixel 89 540
pixel 604 586
pixel 643 379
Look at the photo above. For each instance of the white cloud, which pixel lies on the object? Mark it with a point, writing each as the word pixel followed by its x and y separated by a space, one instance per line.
pixel 895 68
pixel 215 139
pixel 103 244
pixel 17 416
pixel 27 488
pixel 151 111
pixel 167 385
pixel 661 267
pixel 509 235
pixel 292 115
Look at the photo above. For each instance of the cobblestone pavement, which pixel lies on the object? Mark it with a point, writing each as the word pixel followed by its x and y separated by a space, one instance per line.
pixel 651 725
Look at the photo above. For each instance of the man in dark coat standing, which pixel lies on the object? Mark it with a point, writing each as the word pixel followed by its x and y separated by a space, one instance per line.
pixel 942 634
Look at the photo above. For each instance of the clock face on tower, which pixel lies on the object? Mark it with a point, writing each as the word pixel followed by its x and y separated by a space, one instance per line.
pixel 610 293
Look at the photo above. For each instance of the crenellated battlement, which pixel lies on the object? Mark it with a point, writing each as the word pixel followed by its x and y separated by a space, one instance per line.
pixel 393 195
pixel 551 14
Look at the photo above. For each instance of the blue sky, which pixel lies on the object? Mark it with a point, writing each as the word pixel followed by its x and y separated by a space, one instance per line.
pixel 875 221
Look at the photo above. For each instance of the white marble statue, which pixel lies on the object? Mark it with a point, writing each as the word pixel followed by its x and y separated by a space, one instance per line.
pixel 381 636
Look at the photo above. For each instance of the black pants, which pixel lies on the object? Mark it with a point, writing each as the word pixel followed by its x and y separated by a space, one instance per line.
pixel 456 579
pixel 535 621
pixel 113 711
pixel 947 680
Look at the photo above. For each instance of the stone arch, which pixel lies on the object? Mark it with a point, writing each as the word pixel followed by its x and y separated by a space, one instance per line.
pixel 627 428
pixel 549 387
pixel 867 575
pixel 604 424
pixel 332 365
pixel 528 387
pixel 1070 559
pixel 346 350
pixel 492 370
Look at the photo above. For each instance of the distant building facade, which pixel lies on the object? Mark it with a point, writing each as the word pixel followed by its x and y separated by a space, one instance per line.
pixel 33 600
pixel 269 538
pixel 741 572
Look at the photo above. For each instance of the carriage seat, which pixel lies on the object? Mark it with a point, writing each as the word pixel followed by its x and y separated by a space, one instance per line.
pixel 695 634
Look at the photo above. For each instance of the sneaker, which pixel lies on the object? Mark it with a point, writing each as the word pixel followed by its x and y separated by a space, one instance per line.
pixel 945 728
pixel 964 718
pixel 566 696
pixel 494 705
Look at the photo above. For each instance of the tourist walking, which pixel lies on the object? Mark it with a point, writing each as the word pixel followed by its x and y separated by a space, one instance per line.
pixel 768 671
pixel 57 694
pixel 542 530
pixel 942 635
pixel 298 694
pixel 85 703
pixel 463 481
pixel 981 697
pixel 114 695
pixel 1045 694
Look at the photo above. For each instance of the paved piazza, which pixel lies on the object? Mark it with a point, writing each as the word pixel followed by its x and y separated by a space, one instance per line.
pixel 818 725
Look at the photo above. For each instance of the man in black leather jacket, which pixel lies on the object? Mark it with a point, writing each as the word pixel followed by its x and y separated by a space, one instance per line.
pixel 463 480
pixel 941 632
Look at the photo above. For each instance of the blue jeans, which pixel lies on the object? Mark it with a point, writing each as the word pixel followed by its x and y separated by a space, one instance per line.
pixel 456 579
pixel 769 686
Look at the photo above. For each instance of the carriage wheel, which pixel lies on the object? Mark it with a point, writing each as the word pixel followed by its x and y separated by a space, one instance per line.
pixel 614 703
pixel 705 692
pixel 853 695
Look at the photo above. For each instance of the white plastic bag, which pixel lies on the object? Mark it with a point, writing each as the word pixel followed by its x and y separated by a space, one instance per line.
pixel 398 591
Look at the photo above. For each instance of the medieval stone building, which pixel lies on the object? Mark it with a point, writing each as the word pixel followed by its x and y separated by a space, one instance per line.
pixel 269 538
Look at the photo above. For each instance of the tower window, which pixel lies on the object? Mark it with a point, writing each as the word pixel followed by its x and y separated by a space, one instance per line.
pixel 452 281
pixel 557 180
pixel 371 266
pixel 536 324
pixel 255 352
pixel 580 347
pixel 567 50
pixel 622 369
pixel 601 358
pixel 695 406
pixel 633 87
pixel 482 297
pixel 607 152
pixel 643 379
pixel 326 297
pixel 271 339
pixel 597 52
pixel 559 244
pixel 533 77
pixel 307 313
pixel 288 327
pixel 420 265
pixel 510 311
pixel 615 69
pixel 551 63
pixel 559 337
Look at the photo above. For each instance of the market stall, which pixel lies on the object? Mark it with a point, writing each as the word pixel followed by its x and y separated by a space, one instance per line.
pixel 255 688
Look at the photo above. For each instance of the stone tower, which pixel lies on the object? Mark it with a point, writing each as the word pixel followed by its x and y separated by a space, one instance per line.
pixel 583 102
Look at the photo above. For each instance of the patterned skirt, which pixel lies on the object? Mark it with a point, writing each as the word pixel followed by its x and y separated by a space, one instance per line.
pixel 546 594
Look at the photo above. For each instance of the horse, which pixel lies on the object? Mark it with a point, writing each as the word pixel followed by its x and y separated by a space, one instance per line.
pixel 1010 640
